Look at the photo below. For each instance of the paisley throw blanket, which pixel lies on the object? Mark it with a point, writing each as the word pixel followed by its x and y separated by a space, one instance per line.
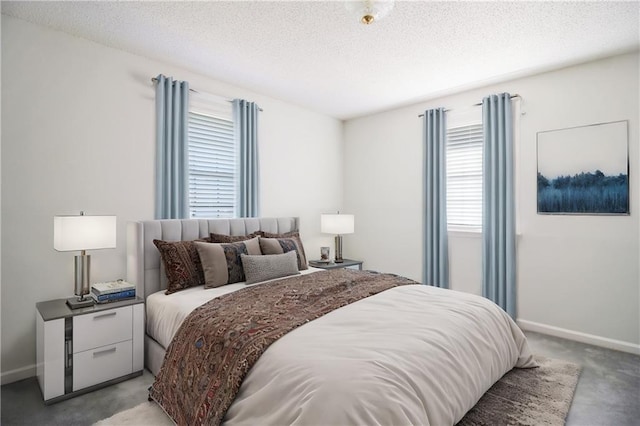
pixel 219 342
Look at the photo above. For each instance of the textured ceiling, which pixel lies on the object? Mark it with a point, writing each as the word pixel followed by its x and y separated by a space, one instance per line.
pixel 315 54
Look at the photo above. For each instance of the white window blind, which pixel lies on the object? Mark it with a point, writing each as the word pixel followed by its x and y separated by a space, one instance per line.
pixel 212 165
pixel 464 177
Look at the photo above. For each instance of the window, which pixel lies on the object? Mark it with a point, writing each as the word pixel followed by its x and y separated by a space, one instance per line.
pixel 464 177
pixel 212 160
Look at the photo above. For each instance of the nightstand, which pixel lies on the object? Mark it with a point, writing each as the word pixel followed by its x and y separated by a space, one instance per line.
pixel 347 264
pixel 84 349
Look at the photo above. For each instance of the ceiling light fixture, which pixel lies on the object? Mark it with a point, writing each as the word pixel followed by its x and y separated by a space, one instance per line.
pixel 370 11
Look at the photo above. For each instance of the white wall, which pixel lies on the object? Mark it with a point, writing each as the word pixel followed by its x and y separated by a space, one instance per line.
pixel 577 275
pixel 78 134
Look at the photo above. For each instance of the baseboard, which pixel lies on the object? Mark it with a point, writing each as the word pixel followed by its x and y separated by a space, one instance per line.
pixel 18 374
pixel 577 336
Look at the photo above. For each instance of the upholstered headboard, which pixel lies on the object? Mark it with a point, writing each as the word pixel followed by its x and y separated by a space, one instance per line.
pixel 143 259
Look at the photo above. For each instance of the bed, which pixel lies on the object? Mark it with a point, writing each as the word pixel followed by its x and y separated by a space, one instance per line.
pixel 404 354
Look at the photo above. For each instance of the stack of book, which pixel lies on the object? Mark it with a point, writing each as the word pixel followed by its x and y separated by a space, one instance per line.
pixel 113 291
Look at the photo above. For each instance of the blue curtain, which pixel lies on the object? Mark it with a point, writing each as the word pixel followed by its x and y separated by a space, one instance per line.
pixel 172 157
pixel 436 247
pixel 498 217
pixel 246 122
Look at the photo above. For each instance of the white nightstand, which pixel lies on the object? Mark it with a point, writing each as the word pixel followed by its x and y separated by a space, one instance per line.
pixel 84 349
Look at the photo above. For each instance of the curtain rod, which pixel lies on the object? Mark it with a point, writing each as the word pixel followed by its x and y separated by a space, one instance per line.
pixel 478 104
pixel 512 96
pixel 153 80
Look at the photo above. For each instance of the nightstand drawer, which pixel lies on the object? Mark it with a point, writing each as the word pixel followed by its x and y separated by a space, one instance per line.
pixel 102 328
pixel 101 364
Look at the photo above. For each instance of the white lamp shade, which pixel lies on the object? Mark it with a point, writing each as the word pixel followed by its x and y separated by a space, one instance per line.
pixel 71 233
pixel 337 224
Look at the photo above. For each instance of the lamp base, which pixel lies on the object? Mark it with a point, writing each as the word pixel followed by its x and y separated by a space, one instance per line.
pixel 76 303
pixel 338 257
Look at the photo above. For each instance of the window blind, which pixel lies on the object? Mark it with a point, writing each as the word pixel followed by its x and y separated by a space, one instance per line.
pixel 464 177
pixel 212 166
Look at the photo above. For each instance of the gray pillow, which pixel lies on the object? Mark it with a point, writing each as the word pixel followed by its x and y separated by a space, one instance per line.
pixel 267 267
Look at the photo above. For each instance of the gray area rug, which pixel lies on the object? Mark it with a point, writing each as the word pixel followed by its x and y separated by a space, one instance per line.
pixel 534 396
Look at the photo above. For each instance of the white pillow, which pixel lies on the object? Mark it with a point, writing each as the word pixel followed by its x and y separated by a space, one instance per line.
pixel 267 267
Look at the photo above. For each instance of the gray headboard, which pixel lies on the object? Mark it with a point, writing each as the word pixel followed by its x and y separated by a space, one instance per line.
pixel 143 259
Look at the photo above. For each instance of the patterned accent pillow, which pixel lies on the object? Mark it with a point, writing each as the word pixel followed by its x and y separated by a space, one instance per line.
pixel 221 238
pixel 222 263
pixel 291 234
pixel 181 264
pixel 284 245
pixel 267 267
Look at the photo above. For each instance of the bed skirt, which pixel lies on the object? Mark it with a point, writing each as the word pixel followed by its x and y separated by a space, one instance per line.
pixel 153 355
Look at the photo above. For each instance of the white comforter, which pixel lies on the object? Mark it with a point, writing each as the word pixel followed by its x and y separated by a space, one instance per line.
pixel 409 355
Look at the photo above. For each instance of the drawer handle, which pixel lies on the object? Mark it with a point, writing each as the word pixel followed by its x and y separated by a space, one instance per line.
pixel 109 314
pixel 104 352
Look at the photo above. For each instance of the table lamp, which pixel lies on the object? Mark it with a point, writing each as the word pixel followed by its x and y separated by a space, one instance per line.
pixel 338 224
pixel 81 233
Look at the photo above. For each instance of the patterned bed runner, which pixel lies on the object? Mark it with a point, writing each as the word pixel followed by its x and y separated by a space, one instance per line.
pixel 219 342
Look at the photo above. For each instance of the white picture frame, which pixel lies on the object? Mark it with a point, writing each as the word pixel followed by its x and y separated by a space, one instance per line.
pixel 584 170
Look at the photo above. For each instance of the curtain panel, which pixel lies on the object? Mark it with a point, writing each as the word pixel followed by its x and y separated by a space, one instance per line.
pixel 172 157
pixel 498 217
pixel 246 122
pixel 436 246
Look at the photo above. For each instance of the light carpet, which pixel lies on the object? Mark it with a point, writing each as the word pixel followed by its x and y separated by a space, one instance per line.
pixel 535 396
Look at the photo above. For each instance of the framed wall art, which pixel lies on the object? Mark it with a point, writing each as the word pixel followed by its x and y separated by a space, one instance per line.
pixel 584 170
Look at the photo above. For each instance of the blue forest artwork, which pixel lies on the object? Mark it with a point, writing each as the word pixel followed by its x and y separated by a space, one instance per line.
pixel 590 192
pixel 584 170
